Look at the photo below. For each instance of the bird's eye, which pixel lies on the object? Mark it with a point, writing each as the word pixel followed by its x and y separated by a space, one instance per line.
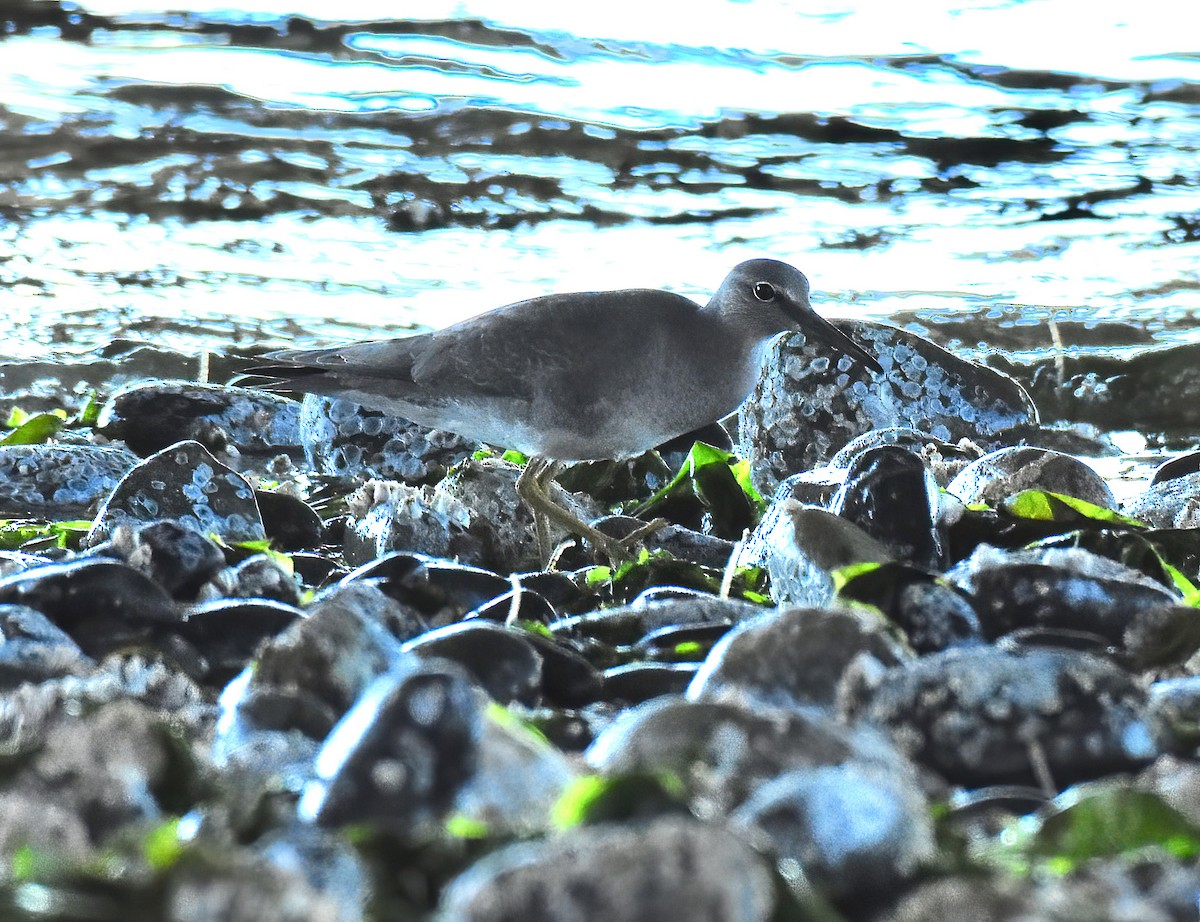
pixel 764 291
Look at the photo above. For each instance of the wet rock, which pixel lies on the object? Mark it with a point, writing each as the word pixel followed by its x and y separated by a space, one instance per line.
pixel 225 633
pixel 32 648
pixel 634 683
pixel 809 404
pixel 1178 466
pixel 515 605
pixel 982 716
pixel 628 624
pixel 400 755
pixel 890 495
pixel 1007 471
pixel 941 458
pixel 1173 710
pixel 934 616
pixel 517 779
pixel 722 752
pixel 706 550
pixel 443 591
pixel 257 577
pixel 28 712
pixel 290 523
pixel 326 863
pixel 670 868
pixel 39 823
pixel 343 439
pixel 186 483
pixel 57 482
pixel 501 661
pixel 568 680
pixel 16 561
pixel 1171 503
pixel 1166 635
pixel 801 546
pixel 304 679
pixel 179 559
pixel 116 765
pixel 1055 588
pixel 855 830
pixel 102 604
pixel 242 426
pixel 792 658
pixel 389 516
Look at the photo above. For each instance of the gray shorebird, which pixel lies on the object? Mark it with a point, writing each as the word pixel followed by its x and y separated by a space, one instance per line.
pixel 576 377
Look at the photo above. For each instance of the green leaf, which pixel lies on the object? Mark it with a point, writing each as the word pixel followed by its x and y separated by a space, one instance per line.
pixel 713 482
pixel 260 546
pixel 515 457
pixel 88 413
pixel 1101 820
pixel 1188 589
pixel 162 846
pixel 36 429
pixel 689 649
pixel 503 717
pixel 17 534
pixel 843 575
pixel 599 798
pixel 1046 506
pixel 465 827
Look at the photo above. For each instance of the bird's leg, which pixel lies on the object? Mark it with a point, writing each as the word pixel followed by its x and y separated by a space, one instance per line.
pixel 533 486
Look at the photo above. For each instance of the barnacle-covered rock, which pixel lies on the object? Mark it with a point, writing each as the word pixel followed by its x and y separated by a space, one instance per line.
pixel 58 482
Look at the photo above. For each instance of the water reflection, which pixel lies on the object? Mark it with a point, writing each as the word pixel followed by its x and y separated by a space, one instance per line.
pixel 272 163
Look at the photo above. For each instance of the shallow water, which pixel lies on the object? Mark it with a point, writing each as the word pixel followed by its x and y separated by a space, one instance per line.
pixel 216 177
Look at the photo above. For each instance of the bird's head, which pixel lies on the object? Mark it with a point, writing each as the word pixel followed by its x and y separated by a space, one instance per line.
pixel 768 297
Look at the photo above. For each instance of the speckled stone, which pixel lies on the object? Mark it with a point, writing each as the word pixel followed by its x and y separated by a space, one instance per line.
pixel 1007 471
pixel 806 406
pixel 186 483
pixel 722 752
pixel 1067 588
pixel 793 657
pixel 56 482
pixel 669 868
pixel 344 439
pixel 978 715
pixel 856 830
pixel 1173 503
pixel 243 426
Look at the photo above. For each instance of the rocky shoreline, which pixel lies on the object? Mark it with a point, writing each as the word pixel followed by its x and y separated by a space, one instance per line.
pixel 900 655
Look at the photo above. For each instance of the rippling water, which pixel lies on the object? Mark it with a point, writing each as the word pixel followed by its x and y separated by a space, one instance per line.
pixel 208 176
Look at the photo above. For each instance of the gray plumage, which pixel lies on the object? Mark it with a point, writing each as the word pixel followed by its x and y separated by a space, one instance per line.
pixel 579 376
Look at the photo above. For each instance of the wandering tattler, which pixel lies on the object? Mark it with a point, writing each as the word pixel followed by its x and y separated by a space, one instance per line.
pixel 576 377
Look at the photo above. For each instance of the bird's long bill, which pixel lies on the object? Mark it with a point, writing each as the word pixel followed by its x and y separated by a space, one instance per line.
pixel 822 330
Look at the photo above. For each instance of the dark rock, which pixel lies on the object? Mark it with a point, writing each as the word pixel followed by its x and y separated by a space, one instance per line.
pixel 630 623
pixel 1007 471
pixel 942 458
pixel 102 604
pixel 117 765
pixel 346 440
pixel 179 559
pixel 516 605
pixel 290 523
pixel 242 426
pixel 890 495
pixel 670 868
pixel 57 482
pixel 186 483
pixel 1178 466
pixel 32 648
pixel 801 546
pixel 16 561
pixel 792 658
pixel 933 614
pixel 568 680
pixel 256 577
pixel 808 404
pixel 501 661
pixel 226 632
pixel 400 755
pixel 634 683
pixel 1055 588
pixel 856 830
pixel 981 716
pixel 442 590
pixel 1173 711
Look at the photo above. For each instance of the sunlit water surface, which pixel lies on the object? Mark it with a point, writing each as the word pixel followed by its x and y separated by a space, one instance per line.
pixel 208 177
